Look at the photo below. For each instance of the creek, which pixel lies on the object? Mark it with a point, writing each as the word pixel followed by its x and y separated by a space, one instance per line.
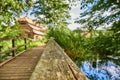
pixel 102 68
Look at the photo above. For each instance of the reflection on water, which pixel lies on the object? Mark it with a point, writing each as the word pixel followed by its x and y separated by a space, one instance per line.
pixel 101 70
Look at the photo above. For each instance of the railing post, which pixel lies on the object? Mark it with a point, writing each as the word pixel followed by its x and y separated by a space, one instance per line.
pixel 13 46
pixel 25 40
pixel 0 53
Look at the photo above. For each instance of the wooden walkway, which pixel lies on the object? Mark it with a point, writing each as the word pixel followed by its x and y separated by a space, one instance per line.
pixel 22 66
pixel 53 64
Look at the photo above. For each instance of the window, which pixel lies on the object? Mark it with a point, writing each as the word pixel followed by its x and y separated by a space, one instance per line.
pixel 29 35
pixel 22 22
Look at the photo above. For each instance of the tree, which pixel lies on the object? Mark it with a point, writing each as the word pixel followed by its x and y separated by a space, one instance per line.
pixel 9 9
pixel 51 12
pixel 55 12
pixel 99 12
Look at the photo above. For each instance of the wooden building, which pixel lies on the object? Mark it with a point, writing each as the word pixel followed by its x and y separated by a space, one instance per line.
pixel 31 29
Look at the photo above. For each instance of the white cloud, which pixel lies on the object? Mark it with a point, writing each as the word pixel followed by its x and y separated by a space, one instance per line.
pixel 73 26
pixel 106 13
pixel 74 15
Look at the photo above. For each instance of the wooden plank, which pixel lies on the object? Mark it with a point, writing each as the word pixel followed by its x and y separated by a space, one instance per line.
pixel 6 38
pixel 22 66
pixel 54 64
pixel 10 38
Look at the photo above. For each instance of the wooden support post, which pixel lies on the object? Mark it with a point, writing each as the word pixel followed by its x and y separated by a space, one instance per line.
pixel 25 40
pixel 0 53
pixel 13 46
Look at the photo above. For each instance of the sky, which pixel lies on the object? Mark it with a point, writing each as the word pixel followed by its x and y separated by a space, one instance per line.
pixel 74 13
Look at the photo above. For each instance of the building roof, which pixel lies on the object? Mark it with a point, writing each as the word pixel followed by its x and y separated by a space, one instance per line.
pixel 38 32
pixel 37 28
pixel 27 20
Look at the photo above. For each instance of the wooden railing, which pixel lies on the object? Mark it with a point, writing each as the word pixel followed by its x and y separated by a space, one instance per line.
pixel 13 46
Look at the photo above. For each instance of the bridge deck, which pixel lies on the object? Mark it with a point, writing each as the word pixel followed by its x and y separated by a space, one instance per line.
pixel 53 64
pixel 22 66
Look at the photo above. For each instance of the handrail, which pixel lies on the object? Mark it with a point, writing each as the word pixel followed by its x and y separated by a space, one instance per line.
pixel 9 50
pixel 6 38
pixel 14 48
pixel 9 38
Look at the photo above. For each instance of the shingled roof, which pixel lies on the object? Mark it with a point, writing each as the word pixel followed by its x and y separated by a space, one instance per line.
pixel 37 28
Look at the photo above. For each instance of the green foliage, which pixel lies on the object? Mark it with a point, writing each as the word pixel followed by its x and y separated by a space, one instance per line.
pixel 72 42
pixel 106 42
pixel 12 31
pixel 80 47
pixel 58 34
pixel 116 36
pixel 99 12
pixel 9 9
pixel 53 12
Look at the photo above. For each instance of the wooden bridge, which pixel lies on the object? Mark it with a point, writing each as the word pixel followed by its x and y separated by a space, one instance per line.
pixel 41 63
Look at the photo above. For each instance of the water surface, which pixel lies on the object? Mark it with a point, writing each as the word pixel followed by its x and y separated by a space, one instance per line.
pixel 105 69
